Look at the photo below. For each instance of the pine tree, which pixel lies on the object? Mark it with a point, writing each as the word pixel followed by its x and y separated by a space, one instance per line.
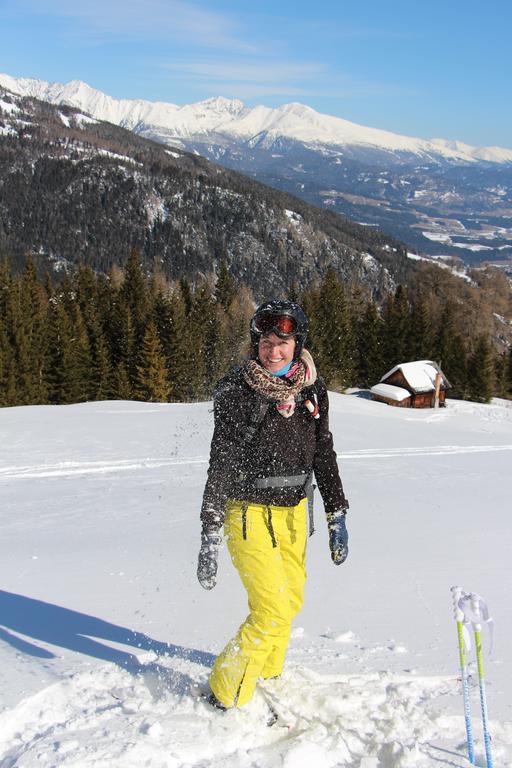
pixel 134 304
pixel 93 303
pixel 214 348
pixel 120 338
pixel 22 316
pixel 186 294
pixel 134 291
pixel 310 301
pixel 396 328
pixel 481 371
pixel 235 329
pixel 200 330
pixel 500 375
pixel 456 368
pixel 100 376
pixel 370 363
pixel 450 351
pixel 225 288
pixel 8 391
pixel 33 331
pixel 152 382
pixel 419 344
pixel 8 378
pixel 176 341
pixel 120 387
pixel 62 368
pixel 336 339
pixel 446 332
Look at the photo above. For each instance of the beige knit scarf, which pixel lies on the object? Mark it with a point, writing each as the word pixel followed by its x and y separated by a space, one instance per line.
pixel 282 391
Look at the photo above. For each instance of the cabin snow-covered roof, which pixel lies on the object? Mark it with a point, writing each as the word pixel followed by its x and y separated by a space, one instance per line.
pixel 390 392
pixel 420 375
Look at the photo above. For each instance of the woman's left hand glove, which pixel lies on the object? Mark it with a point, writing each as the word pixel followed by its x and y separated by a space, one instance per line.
pixel 207 562
pixel 338 536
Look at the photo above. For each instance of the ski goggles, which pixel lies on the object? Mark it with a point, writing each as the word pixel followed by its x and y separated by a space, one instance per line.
pixel 282 325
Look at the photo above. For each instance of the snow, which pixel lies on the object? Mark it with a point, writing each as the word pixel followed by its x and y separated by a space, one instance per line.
pixel 294 218
pixel 65 119
pixel 437 237
pixel 104 631
pixel 420 374
pixel 7 130
pixel 81 119
pixel 438 261
pixel 256 125
pixel 489 154
pixel 116 156
pixel 472 247
pixel 391 392
pixel 7 106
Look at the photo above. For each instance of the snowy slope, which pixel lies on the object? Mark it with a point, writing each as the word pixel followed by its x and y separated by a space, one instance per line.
pixel 104 629
pixel 230 118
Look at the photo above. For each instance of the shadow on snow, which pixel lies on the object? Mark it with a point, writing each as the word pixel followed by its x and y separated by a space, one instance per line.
pixel 83 634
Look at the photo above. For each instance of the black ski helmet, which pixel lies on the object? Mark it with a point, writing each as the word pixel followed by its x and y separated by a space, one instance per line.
pixel 280 308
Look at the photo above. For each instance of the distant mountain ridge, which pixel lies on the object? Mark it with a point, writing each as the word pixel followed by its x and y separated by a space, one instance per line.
pixel 444 198
pixel 295 122
pixel 76 189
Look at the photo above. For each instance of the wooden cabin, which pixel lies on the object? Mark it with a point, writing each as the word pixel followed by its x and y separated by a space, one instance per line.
pixel 412 385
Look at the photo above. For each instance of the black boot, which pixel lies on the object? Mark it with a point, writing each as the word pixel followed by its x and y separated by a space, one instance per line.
pixel 214 702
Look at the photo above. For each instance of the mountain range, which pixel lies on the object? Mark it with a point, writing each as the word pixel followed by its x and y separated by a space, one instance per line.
pixel 77 189
pixel 441 197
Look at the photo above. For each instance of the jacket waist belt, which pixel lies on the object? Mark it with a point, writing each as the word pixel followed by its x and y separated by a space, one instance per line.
pixel 288 481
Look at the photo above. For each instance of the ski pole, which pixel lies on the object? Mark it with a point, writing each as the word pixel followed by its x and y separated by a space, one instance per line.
pixel 459 618
pixel 477 628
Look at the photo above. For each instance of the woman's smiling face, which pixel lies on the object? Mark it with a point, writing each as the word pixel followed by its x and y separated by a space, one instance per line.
pixel 275 353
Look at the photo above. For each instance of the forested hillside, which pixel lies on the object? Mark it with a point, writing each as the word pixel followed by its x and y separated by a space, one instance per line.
pixel 132 336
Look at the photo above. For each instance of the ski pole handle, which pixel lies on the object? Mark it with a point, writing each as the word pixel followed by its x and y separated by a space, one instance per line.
pixel 475 607
pixel 458 613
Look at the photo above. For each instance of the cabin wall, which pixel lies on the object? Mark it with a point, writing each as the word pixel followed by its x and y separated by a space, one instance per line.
pixel 398 380
pixel 422 400
pixel 397 403
pixel 426 400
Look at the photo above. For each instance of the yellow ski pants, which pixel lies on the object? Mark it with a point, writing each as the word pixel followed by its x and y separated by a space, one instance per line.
pixel 268 548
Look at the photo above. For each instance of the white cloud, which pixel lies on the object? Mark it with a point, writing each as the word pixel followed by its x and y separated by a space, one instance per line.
pixel 253 77
pixel 251 90
pixel 173 20
pixel 249 71
pixel 248 78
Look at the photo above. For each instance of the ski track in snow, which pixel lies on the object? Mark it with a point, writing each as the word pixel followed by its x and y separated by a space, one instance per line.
pixel 113 717
pixel 69 468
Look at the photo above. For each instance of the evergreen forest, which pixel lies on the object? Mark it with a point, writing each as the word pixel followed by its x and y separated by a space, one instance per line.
pixel 136 336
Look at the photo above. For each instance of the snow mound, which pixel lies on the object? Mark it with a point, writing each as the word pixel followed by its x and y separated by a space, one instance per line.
pixel 146 716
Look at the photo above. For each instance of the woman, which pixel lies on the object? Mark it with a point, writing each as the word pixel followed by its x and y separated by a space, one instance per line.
pixel 271 433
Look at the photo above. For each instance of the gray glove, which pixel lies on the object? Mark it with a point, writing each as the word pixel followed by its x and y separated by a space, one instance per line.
pixel 338 536
pixel 207 562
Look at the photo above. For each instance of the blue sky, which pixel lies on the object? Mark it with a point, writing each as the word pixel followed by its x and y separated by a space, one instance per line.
pixel 429 69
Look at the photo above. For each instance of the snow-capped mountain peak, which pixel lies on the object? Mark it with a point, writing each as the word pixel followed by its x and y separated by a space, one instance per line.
pixel 230 117
pixel 222 105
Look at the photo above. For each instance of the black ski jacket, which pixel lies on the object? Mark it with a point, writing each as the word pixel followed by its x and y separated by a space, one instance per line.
pixel 281 446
